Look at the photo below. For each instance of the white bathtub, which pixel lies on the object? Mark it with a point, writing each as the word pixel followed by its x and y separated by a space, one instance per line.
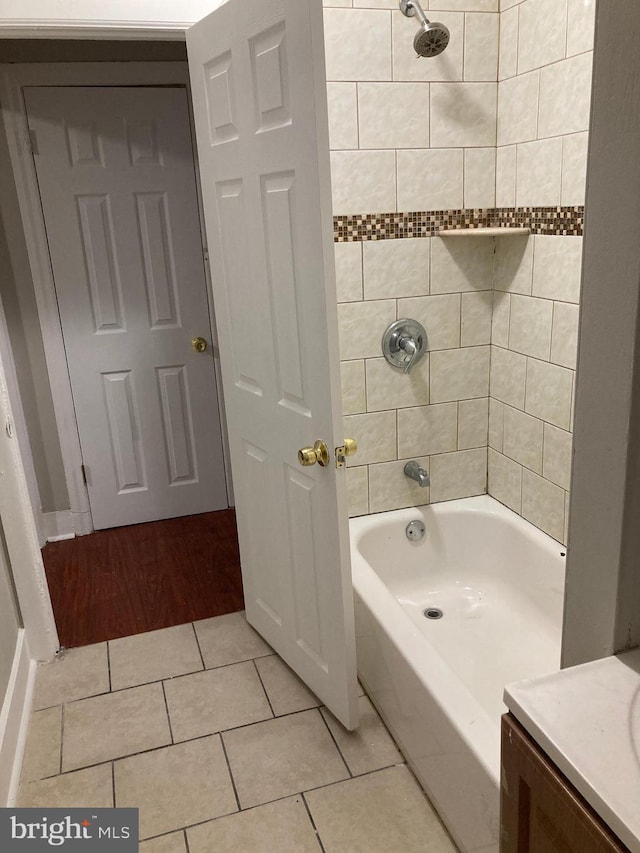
pixel 438 684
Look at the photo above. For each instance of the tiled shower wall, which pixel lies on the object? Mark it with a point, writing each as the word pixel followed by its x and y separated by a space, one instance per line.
pixel 409 135
pixel 543 118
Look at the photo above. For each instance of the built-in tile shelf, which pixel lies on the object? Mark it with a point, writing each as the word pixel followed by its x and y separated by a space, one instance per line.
pixel 483 232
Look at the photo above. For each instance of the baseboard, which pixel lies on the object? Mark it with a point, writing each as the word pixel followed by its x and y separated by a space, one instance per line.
pixel 14 720
pixel 59 525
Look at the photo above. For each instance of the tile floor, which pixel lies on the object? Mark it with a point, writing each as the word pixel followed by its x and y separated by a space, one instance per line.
pixel 221 747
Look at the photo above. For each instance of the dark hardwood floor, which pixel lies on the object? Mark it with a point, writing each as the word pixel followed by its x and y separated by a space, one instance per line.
pixel 113 583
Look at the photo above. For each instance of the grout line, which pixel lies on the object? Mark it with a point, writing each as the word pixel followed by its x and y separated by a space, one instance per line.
pixel 109 667
pixel 166 707
pixel 113 785
pixel 233 781
pixel 266 693
pixel 195 634
pixel 186 840
pixel 61 734
pixel 344 760
pixel 313 823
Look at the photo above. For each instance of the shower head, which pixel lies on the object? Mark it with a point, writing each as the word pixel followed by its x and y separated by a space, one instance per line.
pixel 432 38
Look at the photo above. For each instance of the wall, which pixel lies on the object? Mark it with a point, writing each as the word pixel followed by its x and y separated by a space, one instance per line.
pixel 9 618
pixel 543 119
pixel 413 135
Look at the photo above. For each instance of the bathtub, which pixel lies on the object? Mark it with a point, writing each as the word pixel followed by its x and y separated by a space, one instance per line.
pixel 438 682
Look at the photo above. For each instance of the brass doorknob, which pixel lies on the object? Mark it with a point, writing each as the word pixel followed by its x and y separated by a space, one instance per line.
pixel 318 453
pixel 350 446
pixel 199 344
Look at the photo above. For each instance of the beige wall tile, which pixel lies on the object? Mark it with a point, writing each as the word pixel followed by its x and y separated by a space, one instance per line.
pixel 506 176
pixel 75 675
pixel 480 177
pixel 465 5
pixel 447 66
pixel 580 26
pixel 463 114
pixel 557 456
pixel 567 503
pixel 153 656
pixel 394 268
pixel 281 826
pixel 358 490
pixel 539 173
pixel 440 316
pixel 508 54
pixel 392 489
pixel 353 387
pixel 287 694
pixel 44 742
pixel 461 265
pixel 393 115
pixel 514 264
pixel 508 376
pixel 417 189
pixel 473 417
pixel 348 271
pixel 338 3
pixel 557 267
pixel 505 480
pixel 458 475
pixel 357 44
pixel 530 326
pixel 368 748
pixel 549 389
pixel 265 758
pixel 500 319
pixel 90 788
pixel 542 34
pixel 574 168
pixel 427 429
pixel 565 96
pixel 374 4
pixel 523 439
pixel 475 328
pixel 518 109
pixel 496 424
pixel 208 702
pixel 361 325
pixel 94 730
pixel 564 338
pixel 229 639
pixel 375 434
pixel 481 47
pixel 363 181
pixel 543 504
pixel 390 388
pixel 459 374
pixel 176 786
pixel 342 103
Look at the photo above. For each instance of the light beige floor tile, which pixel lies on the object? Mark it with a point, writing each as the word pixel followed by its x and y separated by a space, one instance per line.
pixel 77 674
pixel 282 827
pixel 214 700
pixel 176 786
pixel 111 726
pixel 370 747
pixel 83 789
pixel 153 656
pixel 42 751
pixel 377 813
pixel 174 843
pixel 281 757
pixel 286 692
pixel 229 639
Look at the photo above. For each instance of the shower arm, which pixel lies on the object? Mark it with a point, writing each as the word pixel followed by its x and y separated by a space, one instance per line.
pixel 411 8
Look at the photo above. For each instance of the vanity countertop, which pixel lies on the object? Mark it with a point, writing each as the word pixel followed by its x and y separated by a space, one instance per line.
pixel 587 719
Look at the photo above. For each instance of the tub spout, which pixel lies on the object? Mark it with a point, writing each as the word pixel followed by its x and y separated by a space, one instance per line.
pixel 415 472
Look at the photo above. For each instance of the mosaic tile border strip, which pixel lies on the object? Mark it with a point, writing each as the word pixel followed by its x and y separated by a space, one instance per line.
pixel 565 221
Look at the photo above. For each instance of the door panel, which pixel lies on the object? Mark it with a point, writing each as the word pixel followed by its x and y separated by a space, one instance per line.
pixel 117 183
pixel 259 92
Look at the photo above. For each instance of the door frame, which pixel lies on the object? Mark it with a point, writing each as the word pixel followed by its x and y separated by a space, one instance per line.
pixel 12 79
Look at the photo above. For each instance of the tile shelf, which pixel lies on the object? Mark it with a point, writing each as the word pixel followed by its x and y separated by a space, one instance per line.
pixel 483 232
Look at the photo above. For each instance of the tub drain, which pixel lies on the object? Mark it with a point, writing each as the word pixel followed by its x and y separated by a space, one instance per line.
pixel 433 613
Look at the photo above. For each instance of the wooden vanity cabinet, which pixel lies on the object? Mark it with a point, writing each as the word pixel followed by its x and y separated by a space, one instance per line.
pixel 541 811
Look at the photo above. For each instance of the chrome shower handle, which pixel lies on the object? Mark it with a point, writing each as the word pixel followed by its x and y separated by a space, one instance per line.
pixel 401 339
pixel 412 349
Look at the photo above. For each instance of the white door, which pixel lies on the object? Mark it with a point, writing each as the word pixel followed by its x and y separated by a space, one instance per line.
pixel 116 176
pixel 259 97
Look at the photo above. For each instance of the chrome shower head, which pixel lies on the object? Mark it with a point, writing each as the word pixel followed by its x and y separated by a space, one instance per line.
pixel 432 37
